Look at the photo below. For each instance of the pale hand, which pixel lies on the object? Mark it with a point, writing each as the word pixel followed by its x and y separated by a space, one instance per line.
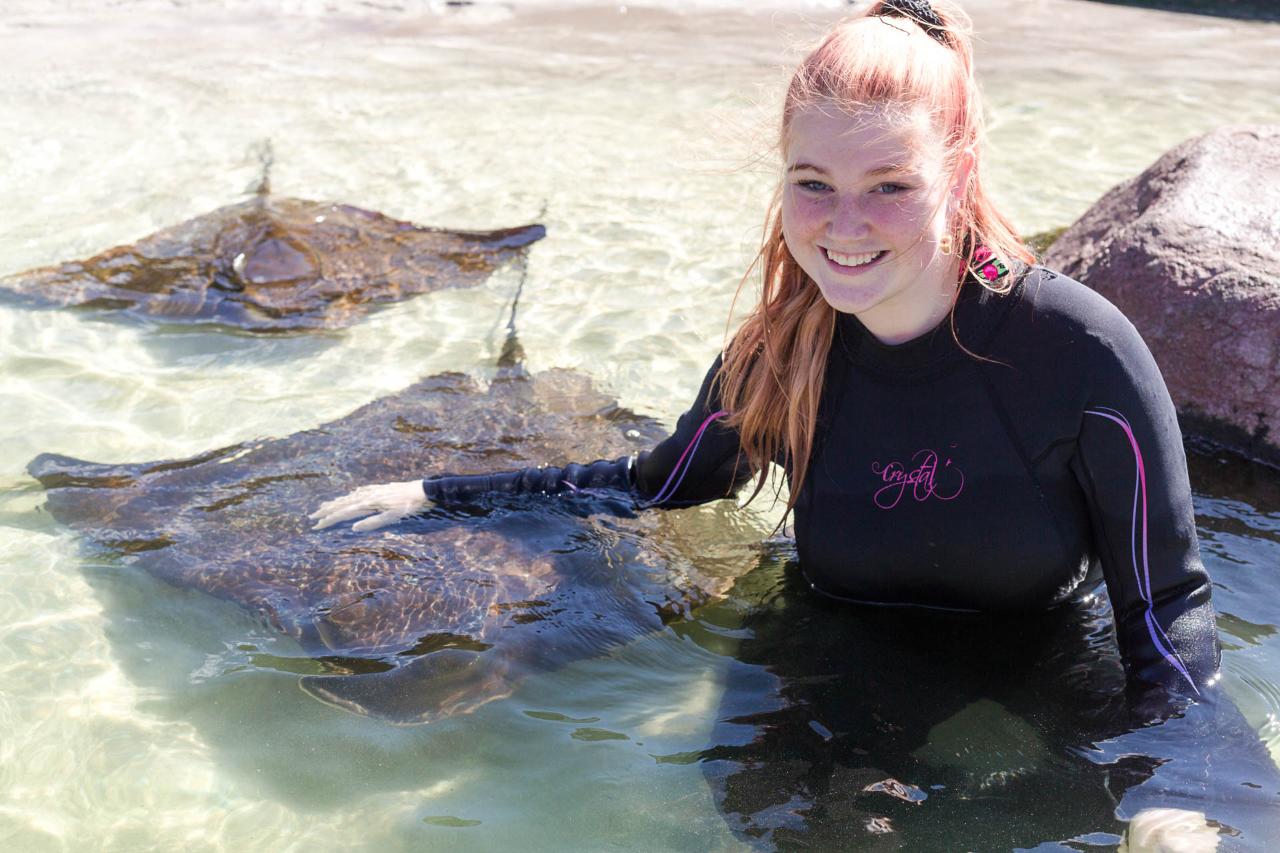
pixel 1169 831
pixel 384 503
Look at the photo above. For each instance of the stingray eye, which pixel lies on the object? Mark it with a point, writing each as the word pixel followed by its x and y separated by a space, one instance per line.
pixel 277 260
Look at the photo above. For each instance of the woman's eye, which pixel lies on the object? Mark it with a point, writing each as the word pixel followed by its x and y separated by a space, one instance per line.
pixel 814 186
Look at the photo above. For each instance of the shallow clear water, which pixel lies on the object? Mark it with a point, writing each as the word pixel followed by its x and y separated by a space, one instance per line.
pixel 133 719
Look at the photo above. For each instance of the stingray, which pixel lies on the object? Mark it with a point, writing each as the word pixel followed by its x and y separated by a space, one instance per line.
pixel 436 615
pixel 273 265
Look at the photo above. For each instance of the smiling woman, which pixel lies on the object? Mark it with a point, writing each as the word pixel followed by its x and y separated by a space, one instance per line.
pixel 139 715
pixel 844 371
pixel 902 326
pixel 873 238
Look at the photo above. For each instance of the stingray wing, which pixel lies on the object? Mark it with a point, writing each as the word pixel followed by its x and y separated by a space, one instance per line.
pixel 269 265
pixel 233 522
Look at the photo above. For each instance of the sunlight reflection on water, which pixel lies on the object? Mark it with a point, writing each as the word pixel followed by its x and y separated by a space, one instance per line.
pixel 637 131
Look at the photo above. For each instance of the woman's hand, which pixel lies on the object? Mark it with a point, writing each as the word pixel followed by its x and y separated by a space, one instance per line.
pixel 1169 831
pixel 385 503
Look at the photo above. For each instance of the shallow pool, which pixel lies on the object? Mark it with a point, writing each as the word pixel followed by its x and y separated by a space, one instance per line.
pixel 138 715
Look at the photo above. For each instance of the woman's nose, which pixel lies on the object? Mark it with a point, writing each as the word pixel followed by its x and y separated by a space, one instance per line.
pixel 848 220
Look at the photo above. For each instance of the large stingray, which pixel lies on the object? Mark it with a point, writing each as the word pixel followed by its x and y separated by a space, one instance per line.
pixel 433 616
pixel 273 264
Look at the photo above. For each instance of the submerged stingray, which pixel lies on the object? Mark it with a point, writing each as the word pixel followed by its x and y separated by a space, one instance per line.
pixel 274 264
pixel 433 616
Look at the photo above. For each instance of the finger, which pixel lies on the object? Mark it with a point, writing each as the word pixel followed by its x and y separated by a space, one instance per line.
pixel 329 506
pixel 319 511
pixel 382 519
pixel 344 514
pixel 355 496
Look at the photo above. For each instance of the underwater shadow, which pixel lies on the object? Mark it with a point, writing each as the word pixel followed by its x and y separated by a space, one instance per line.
pixel 848 727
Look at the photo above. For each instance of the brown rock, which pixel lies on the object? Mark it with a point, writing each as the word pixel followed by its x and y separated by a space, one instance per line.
pixel 1190 251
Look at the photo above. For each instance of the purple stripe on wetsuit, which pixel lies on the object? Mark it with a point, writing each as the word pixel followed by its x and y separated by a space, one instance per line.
pixel 664 493
pixel 1158 637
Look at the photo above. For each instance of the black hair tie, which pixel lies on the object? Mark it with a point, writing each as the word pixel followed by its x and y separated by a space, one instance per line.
pixel 916 10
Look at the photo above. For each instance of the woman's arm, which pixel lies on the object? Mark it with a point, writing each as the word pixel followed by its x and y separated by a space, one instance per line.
pixel 699 462
pixel 1131 465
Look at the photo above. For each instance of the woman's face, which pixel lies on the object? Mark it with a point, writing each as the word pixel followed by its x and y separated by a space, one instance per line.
pixel 864 204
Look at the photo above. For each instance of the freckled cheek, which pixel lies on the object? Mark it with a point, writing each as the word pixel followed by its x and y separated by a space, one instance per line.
pixel 803 218
pixel 897 219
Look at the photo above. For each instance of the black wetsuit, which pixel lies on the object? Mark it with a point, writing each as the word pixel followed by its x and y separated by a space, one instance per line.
pixel 941 481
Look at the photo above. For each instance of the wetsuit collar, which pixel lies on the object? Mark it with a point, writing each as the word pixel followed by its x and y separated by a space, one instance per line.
pixel 978 313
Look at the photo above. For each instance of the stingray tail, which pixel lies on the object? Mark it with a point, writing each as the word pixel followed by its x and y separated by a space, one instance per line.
pixel 511 359
pixel 264 153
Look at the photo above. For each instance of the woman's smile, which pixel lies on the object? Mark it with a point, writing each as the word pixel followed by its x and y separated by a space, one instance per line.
pixel 854 264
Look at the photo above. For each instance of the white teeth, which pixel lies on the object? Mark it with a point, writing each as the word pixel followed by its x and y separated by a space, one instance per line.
pixel 852 260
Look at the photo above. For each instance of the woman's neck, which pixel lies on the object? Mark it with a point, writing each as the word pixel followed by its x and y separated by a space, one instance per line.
pixel 902 323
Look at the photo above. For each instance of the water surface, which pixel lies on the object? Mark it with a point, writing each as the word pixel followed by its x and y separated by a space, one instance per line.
pixel 138 715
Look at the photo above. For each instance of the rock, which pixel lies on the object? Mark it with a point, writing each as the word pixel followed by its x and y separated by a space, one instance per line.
pixel 1189 250
pixel 1042 241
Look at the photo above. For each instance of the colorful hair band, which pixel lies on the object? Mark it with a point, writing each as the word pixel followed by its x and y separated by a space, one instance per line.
pixel 988 265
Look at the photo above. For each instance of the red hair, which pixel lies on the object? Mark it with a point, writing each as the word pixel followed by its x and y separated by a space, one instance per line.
pixel 772 373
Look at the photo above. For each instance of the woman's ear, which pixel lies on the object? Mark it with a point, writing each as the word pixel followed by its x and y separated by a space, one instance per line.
pixel 960 179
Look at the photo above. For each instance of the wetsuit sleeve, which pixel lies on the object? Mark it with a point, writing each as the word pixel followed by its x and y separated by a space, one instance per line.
pixel 701 461
pixel 453 489
pixel 697 463
pixel 1130 462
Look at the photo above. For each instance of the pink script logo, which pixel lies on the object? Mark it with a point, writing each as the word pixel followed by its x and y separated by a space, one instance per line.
pixel 923 479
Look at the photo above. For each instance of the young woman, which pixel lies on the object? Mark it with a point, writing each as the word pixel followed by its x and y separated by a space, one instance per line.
pixel 961 430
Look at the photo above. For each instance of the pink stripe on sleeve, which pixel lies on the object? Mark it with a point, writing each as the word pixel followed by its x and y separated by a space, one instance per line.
pixel 690 449
pixel 1158 638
